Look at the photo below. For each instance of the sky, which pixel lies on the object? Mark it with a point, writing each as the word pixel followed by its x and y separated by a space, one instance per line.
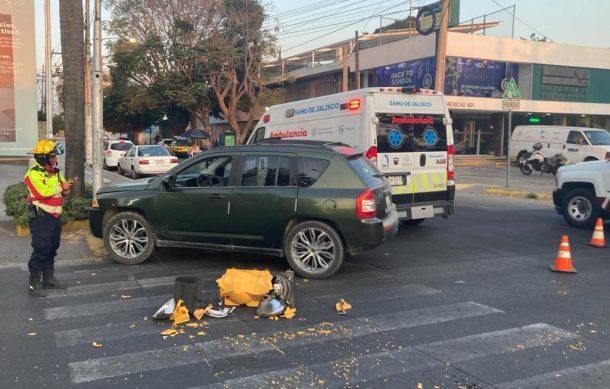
pixel 309 24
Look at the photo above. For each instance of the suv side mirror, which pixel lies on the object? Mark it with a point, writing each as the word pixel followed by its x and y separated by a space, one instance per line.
pixel 167 182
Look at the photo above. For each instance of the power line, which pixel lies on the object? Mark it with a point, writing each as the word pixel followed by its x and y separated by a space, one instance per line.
pixel 341 28
pixel 520 20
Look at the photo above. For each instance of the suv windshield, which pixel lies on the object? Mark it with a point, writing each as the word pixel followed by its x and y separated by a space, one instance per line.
pixel 598 137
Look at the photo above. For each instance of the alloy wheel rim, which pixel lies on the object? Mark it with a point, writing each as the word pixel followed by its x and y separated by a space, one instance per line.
pixel 580 208
pixel 313 249
pixel 128 238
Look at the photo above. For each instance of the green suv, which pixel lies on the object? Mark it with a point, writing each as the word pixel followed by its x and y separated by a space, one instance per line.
pixel 310 202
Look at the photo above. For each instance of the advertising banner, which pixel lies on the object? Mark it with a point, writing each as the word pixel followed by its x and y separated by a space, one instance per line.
pixel 18 119
pixel 571 84
pixel 7 80
pixel 418 73
pixel 477 78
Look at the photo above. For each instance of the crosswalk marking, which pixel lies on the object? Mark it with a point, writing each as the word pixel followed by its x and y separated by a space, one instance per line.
pixel 101 308
pixel 329 374
pixel 594 375
pixel 470 347
pixel 95 369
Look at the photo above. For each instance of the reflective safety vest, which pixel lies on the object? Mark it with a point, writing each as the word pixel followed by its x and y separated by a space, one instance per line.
pixel 44 189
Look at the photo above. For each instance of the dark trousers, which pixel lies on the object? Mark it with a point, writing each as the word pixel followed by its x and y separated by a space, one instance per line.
pixel 46 234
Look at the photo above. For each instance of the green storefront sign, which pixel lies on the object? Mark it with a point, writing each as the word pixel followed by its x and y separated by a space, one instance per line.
pixel 562 83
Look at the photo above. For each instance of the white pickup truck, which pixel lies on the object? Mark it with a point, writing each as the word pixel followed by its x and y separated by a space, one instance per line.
pixel 582 193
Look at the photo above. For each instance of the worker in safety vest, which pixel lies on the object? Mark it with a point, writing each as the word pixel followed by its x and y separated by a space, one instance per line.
pixel 46 187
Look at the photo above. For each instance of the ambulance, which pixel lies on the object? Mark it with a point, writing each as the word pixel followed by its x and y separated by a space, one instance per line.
pixel 407 133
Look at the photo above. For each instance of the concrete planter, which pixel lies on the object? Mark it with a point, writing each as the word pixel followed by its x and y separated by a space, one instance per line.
pixel 71 226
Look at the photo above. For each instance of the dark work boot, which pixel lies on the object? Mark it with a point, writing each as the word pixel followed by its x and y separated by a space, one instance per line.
pixel 35 285
pixel 48 279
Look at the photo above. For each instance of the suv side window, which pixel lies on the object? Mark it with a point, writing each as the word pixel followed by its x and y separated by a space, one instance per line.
pixel 262 170
pixel 209 172
pixel 310 169
pixel 577 138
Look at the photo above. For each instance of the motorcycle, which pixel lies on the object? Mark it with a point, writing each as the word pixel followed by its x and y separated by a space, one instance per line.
pixel 534 160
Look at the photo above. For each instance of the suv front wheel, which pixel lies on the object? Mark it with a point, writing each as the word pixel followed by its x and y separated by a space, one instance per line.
pixel 314 250
pixel 128 238
pixel 579 208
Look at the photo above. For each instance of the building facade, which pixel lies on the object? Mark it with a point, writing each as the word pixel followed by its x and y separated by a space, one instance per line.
pixel 558 84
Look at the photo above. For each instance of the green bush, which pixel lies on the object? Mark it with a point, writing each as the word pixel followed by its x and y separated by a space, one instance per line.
pixel 15 200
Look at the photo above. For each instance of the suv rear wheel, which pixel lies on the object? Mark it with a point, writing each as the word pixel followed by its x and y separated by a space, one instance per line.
pixel 128 238
pixel 314 250
pixel 580 208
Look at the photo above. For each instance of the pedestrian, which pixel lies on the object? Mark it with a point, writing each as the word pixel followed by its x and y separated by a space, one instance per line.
pixel 46 187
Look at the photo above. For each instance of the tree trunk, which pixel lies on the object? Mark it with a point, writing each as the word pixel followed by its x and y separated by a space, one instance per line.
pixel 73 59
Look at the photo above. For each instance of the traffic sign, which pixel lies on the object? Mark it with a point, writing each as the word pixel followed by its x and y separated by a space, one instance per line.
pixel 511 91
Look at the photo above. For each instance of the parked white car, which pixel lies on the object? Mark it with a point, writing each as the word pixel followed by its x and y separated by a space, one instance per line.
pixel 146 160
pixel 113 150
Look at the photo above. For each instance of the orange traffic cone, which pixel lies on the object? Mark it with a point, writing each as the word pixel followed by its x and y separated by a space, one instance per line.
pixel 563 262
pixel 598 235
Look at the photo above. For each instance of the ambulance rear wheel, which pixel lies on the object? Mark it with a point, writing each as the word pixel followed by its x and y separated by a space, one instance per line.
pixel 412 222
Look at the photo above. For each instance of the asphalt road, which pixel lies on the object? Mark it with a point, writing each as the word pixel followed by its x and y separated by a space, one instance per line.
pixel 467 302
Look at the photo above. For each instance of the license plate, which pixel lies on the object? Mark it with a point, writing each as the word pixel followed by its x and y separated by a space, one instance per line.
pixel 160 162
pixel 422 212
pixel 396 180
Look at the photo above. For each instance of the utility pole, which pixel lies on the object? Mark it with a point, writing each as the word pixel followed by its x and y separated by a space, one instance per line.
pixel 88 117
pixel 441 47
pixel 47 69
pixel 357 62
pixel 345 78
pixel 97 100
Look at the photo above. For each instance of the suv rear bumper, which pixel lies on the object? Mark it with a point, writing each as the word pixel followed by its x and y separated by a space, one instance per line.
pixel 370 233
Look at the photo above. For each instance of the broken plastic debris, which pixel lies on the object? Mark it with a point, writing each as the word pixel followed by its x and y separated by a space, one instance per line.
pixel 198 313
pixel 342 306
pixel 96 344
pixel 193 325
pixel 165 311
pixel 219 313
pixel 169 332
pixel 181 314
pixel 125 296
pixel 289 313
pixel 244 287
pixel 31 333
pixel 201 333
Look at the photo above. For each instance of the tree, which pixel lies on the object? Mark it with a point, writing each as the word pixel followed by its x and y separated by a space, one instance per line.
pixel 169 60
pixel 73 48
pixel 202 56
pixel 235 59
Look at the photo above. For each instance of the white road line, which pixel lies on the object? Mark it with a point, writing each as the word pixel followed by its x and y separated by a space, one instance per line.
pixel 115 331
pixel 497 342
pixel 362 368
pixel 101 308
pixel 81 290
pixel 96 369
pixel 594 375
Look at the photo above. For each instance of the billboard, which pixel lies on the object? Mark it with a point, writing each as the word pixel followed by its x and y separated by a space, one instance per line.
pixel 418 73
pixel 477 78
pixel 565 83
pixel 18 117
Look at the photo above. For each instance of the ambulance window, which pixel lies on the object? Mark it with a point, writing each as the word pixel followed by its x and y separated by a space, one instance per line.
pixel 259 135
pixel 400 132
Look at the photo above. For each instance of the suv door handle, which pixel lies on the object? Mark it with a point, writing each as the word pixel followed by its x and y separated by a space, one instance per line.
pixel 216 197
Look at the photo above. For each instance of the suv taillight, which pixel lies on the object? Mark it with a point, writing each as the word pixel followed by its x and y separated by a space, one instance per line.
pixel 371 154
pixel 450 171
pixel 365 204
